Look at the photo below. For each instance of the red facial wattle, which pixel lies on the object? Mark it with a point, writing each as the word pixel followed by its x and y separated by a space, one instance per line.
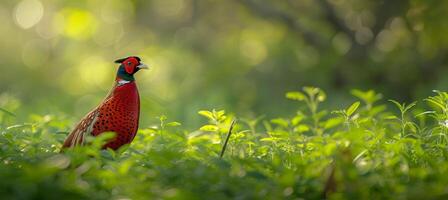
pixel 130 64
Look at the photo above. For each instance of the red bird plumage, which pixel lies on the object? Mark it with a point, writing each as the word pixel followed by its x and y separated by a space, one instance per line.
pixel 119 112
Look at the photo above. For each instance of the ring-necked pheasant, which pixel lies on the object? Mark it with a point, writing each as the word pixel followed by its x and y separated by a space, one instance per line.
pixel 119 112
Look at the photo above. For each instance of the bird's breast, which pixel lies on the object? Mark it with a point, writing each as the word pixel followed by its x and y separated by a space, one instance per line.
pixel 119 113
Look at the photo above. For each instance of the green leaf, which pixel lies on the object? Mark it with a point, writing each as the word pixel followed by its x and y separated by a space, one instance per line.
pixel 19 126
pixel 270 139
pixel 7 112
pixel 162 118
pixel 281 122
pixel 209 128
pixel 369 97
pixel 220 113
pixel 301 128
pixel 436 103
pixel 297 119
pixel 377 109
pixel 410 106
pixel 321 114
pixel 399 106
pixel 321 96
pixel 206 114
pixel 425 113
pixel 360 155
pixel 391 117
pixel 350 110
pixel 101 139
pixel 412 126
pixel 173 124
pixel 311 91
pixel 333 122
pixel 339 112
pixel 298 96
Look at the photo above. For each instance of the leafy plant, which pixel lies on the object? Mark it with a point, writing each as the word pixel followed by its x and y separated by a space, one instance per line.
pixel 403 110
pixel 348 113
pixel 355 154
pixel 312 96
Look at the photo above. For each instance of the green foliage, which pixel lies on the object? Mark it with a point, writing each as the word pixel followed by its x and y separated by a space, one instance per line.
pixel 313 97
pixel 354 153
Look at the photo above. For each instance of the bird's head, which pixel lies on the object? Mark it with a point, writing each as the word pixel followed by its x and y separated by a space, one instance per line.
pixel 128 67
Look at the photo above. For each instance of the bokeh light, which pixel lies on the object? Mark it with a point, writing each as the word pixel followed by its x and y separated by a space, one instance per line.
pixel 28 13
pixel 236 55
pixel 78 23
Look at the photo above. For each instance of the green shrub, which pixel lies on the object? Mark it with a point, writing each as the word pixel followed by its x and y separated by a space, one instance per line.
pixel 361 151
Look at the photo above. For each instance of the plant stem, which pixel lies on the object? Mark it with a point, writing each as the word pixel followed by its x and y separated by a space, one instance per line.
pixel 227 139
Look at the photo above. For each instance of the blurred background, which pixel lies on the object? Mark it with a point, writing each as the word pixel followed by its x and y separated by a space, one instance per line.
pixel 238 55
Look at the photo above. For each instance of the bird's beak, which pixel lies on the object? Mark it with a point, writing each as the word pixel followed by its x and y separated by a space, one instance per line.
pixel 142 66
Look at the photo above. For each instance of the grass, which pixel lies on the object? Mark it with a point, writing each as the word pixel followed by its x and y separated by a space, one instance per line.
pixel 371 149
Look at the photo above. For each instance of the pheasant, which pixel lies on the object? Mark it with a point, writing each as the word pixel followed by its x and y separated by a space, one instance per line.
pixel 119 112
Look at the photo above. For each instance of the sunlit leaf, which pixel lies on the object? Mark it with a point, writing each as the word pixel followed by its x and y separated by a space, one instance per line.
pixel 301 128
pixel 321 96
pixel 333 122
pixel 173 124
pixel 297 119
pixel 269 139
pixel 298 96
pixel 391 117
pixel 206 114
pixel 209 128
pixel 350 110
pixel 280 121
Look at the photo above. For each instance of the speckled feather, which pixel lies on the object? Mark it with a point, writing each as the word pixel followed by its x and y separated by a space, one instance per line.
pixel 118 113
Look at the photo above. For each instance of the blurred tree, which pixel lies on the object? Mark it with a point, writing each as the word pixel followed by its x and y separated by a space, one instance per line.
pixel 239 55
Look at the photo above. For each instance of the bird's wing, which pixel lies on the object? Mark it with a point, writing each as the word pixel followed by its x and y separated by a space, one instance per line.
pixel 82 129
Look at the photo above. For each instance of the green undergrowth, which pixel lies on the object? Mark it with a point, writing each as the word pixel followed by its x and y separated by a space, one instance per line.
pixel 370 149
